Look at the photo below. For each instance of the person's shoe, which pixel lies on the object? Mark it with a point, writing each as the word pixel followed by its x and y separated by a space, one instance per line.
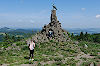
pixel 30 59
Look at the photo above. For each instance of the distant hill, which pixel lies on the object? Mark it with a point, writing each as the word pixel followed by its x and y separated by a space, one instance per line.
pixel 71 30
pixel 78 30
pixel 17 32
pixel 6 29
pixel 9 30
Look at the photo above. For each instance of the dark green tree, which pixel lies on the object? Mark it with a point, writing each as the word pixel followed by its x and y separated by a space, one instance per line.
pixel 6 37
pixel 86 36
pixel 97 39
pixel 18 38
pixel 81 36
pixel 14 38
pixel 72 35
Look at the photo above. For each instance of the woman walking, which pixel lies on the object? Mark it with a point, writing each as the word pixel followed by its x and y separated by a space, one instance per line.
pixel 31 47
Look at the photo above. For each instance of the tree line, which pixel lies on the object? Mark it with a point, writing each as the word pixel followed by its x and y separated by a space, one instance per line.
pixel 86 37
pixel 11 38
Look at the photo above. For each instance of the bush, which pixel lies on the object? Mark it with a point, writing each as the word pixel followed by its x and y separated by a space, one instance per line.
pixel 71 62
pixel 20 43
pixel 87 63
pixel 58 63
pixel 51 41
pixel 70 50
pixel 98 57
pixel 25 48
pixel 58 58
pixel 93 54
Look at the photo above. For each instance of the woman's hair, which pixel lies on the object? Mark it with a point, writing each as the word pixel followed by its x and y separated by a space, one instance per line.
pixel 31 40
pixel 34 41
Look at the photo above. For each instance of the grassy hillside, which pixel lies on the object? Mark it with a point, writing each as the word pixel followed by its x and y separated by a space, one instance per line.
pixel 51 54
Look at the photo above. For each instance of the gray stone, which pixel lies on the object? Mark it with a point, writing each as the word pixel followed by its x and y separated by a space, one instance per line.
pixel 92 64
pixel 76 42
pixel 9 48
pixel 14 44
pixel 98 53
pixel 52 31
pixel 27 65
pixel 2 48
pixel 5 65
pixel 86 46
pixel 17 48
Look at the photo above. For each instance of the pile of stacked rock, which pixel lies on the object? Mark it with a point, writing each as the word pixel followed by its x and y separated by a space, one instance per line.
pixel 52 31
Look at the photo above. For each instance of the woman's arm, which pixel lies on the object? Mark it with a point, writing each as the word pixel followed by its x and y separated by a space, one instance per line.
pixel 29 46
pixel 34 45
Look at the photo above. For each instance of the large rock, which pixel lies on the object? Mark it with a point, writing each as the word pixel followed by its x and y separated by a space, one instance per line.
pixel 92 64
pixel 5 65
pixel 14 44
pixel 52 31
pixel 9 48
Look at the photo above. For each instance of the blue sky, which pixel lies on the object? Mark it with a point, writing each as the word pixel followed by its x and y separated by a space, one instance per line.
pixel 36 13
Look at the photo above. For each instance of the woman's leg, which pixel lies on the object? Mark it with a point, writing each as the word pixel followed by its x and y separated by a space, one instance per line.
pixel 33 53
pixel 30 53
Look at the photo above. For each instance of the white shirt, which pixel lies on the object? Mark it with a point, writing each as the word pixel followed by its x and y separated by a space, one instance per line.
pixel 50 32
pixel 31 45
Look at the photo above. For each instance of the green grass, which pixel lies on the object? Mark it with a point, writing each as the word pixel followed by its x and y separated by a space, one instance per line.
pixel 56 53
pixel 93 48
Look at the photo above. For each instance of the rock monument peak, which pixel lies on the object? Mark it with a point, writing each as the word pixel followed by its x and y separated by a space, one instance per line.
pixel 52 31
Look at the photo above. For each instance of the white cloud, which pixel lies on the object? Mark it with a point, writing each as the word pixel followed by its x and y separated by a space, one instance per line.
pixel 98 16
pixel 83 9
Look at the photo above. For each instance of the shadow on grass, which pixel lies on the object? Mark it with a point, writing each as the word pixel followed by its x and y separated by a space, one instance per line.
pixel 26 57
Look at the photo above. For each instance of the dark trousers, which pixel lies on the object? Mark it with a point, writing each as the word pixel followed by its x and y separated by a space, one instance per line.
pixel 31 53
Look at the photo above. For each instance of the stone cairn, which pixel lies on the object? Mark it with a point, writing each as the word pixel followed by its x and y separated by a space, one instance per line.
pixel 52 31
